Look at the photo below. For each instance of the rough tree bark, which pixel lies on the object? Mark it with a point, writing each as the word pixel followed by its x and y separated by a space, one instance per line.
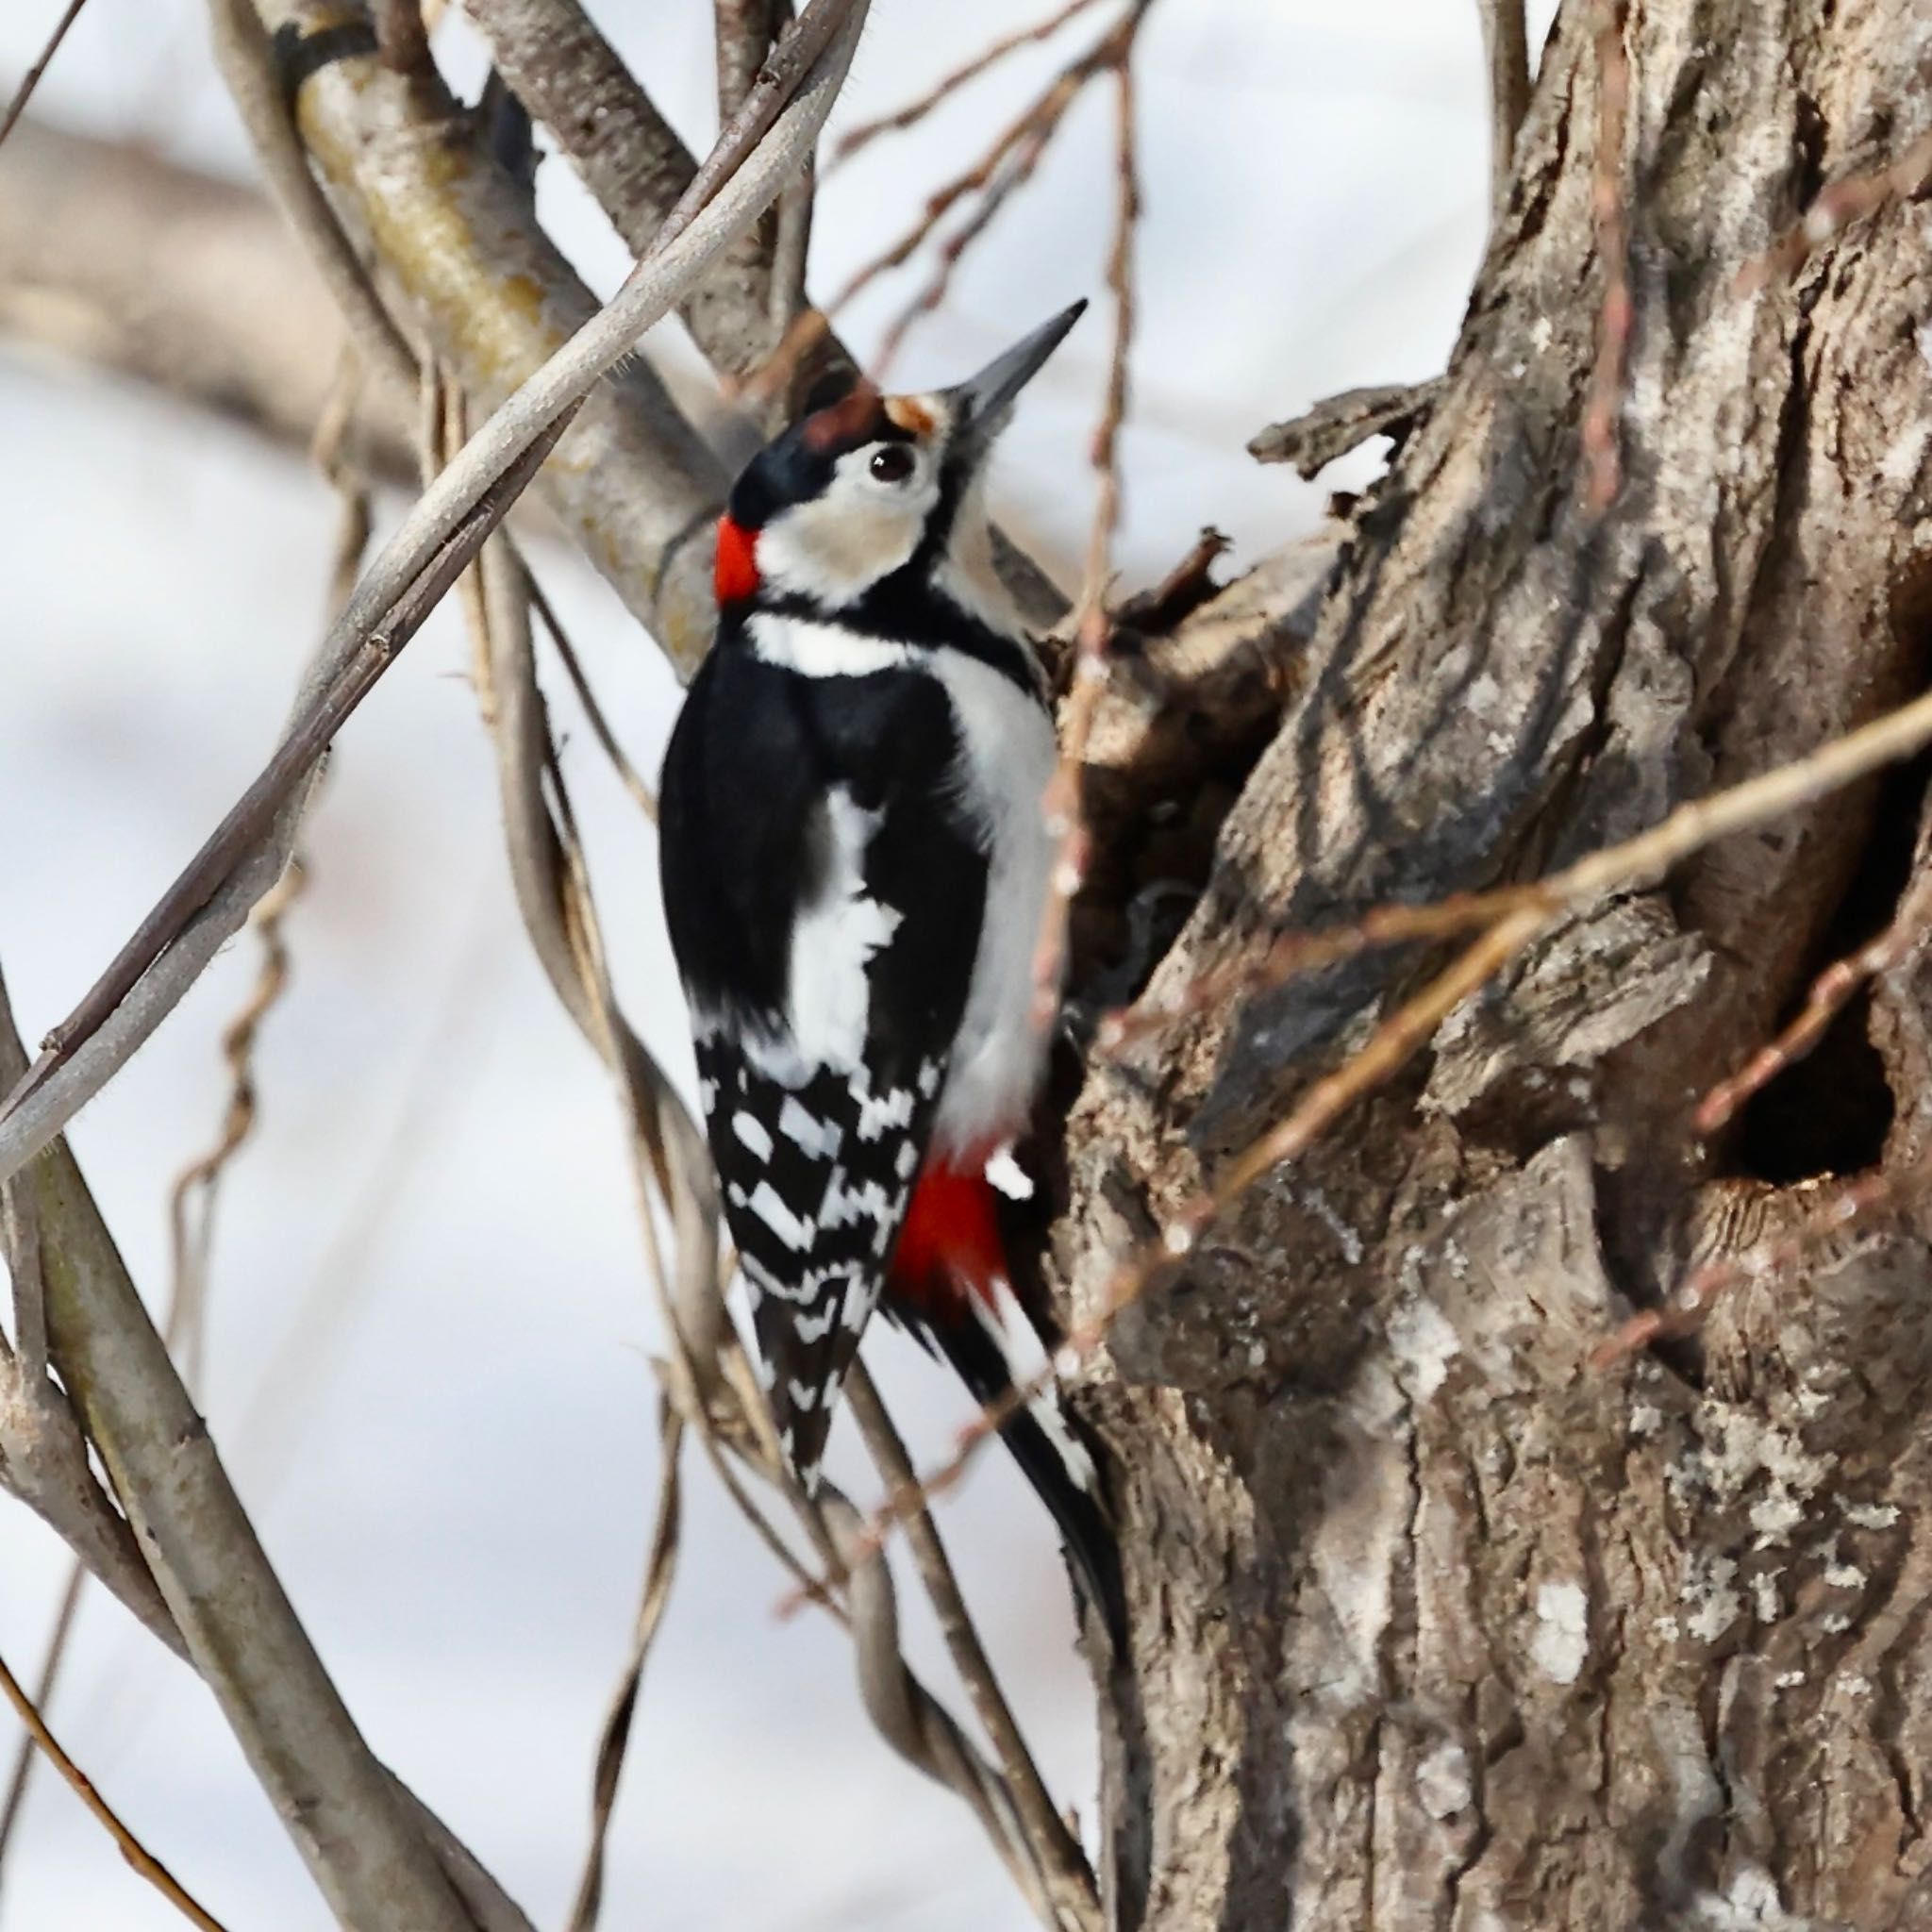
pixel 1435 1625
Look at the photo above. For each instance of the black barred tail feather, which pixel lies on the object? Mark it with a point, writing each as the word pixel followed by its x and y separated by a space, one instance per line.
pixel 948 1287
pixel 1049 1445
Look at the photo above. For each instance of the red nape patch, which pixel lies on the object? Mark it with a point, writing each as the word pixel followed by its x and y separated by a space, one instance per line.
pixel 950 1245
pixel 737 575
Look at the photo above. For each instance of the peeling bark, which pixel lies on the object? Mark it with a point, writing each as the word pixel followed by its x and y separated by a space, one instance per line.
pixel 1435 1625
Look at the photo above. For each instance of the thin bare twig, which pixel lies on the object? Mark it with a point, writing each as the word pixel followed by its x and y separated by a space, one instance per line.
pixel 1691 1300
pixel 223 1609
pixel 190 1237
pixel 1823 1003
pixel 1029 131
pixel 59 1632
pixel 243 828
pixel 1604 402
pixel 1636 861
pixel 907 1718
pixel 1389 1049
pixel 24 92
pixel 1063 1868
pixel 249 71
pixel 869 132
pixel 1014 171
pixel 660 1566
pixel 44 1454
pixel 131 1847
pixel 183 1325
pixel 1061 807
pixel 628 775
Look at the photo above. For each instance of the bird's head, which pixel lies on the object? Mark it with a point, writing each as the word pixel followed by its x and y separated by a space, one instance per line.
pixel 863 486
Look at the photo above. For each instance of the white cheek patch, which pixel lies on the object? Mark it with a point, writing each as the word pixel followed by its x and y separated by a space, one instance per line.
pixel 836 546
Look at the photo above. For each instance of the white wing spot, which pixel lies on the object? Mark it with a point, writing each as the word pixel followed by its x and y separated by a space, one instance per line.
pixel 905 1160
pixel 846 1203
pixel 876 1112
pixel 770 1207
pixel 820 1138
pixel 803 1394
pixel 1006 1173
pixel 809 1330
pixel 928 1077
pixel 753 1132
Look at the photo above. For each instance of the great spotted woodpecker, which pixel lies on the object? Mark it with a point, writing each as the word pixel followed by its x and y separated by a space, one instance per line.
pixel 855 868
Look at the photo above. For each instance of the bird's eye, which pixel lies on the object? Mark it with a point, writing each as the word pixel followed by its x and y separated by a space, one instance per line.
pixel 892 464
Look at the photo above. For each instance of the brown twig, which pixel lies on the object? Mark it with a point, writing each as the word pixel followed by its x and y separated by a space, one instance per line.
pixel 293 758
pixel 1028 133
pixel 869 132
pixel 28 1756
pixel 184 1326
pixel 1060 808
pixel 1837 206
pixel 24 92
pixel 1012 174
pixel 1389 1049
pixel 1063 1867
pixel 660 1567
pixel 1691 1300
pixel 1826 999
pixel 1897 734
pixel 628 775
pixel 1603 401
pixel 131 1847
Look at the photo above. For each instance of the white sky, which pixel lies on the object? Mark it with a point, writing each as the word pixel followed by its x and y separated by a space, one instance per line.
pixel 428 1369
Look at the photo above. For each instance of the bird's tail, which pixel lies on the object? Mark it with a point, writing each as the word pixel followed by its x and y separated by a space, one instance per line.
pixel 949 1286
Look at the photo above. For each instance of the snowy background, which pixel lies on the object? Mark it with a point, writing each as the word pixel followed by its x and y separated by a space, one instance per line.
pixel 430 1325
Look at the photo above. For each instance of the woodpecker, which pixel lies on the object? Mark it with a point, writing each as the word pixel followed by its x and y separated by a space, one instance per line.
pixel 855 868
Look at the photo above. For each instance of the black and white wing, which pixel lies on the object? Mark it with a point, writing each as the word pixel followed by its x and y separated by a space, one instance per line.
pixel 825 901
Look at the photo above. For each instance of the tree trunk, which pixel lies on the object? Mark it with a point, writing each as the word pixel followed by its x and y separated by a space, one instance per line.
pixel 1436 1626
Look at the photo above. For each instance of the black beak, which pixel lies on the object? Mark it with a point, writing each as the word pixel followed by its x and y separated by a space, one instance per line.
pixel 982 403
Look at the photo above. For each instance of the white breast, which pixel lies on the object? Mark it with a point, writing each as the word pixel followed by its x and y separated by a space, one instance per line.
pixel 1006 757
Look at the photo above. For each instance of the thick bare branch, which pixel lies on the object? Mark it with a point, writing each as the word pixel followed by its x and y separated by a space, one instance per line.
pixel 630 158
pixel 343 1810
pixel 116 256
pixel 1506 49
pixel 489 292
